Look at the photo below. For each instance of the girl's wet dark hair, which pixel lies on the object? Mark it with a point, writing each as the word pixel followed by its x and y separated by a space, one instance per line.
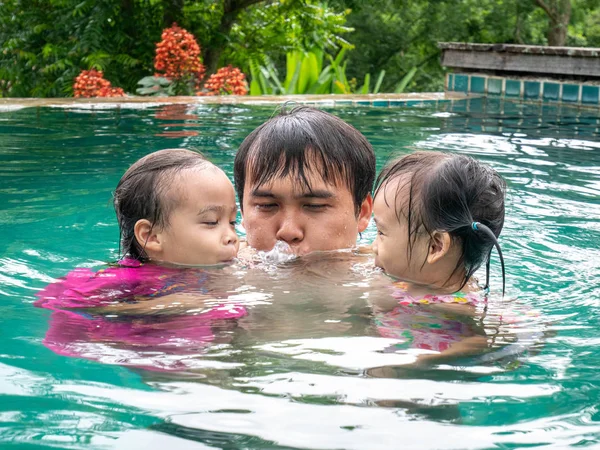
pixel 143 191
pixel 453 193
pixel 305 139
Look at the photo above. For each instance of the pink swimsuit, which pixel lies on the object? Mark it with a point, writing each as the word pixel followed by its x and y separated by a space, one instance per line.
pixel 152 342
pixel 424 329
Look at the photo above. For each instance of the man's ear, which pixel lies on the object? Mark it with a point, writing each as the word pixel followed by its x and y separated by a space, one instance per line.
pixel 147 237
pixel 439 246
pixel 364 215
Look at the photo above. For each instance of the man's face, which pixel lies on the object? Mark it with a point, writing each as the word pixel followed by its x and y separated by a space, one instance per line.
pixel 316 219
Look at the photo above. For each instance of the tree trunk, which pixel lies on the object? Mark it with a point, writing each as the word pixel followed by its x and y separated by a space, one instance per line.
pixel 212 52
pixel 172 12
pixel 559 12
pixel 557 33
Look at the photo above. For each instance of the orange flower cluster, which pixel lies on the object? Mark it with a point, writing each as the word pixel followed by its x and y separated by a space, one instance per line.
pixel 227 80
pixel 91 83
pixel 178 55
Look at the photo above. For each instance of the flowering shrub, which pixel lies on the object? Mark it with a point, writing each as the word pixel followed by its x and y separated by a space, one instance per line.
pixel 178 57
pixel 227 80
pixel 179 70
pixel 91 83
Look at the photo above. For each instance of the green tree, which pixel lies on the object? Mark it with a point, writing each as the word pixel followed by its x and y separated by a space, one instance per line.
pixel 399 36
pixel 45 43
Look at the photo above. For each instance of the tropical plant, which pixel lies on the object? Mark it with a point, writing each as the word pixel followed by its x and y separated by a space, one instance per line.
pixel 177 61
pixel 156 86
pixel 181 72
pixel 237 31
pixel 305 74
pixel 44 44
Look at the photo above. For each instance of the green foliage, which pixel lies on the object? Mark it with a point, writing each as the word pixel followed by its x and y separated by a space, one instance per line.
pixel 399 35
pixel 305 74
pixel 156 86
pixel 44 44
pixel 405 80
pixel 274 29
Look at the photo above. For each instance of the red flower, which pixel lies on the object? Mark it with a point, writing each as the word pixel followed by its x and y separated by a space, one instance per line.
pixel 91 83
pixel 227 80
pixel 178 55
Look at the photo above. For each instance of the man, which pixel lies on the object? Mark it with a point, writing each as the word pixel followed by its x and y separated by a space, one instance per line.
pixel 305 177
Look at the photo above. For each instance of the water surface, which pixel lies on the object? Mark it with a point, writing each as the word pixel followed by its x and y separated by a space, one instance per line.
pixel 296 374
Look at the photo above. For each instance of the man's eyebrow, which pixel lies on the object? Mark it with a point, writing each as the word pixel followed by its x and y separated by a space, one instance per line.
pixel 319 193
pixel 216 208
pixel 262 193
pixel 315 194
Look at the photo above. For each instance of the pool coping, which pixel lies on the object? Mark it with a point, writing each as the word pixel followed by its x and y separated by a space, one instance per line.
pixel 385 100
pixel 417 99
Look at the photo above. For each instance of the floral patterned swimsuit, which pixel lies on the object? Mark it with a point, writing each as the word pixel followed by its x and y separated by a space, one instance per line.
pixel 419 326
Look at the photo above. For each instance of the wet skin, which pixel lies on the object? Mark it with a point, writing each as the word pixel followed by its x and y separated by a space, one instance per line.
pixel 318 217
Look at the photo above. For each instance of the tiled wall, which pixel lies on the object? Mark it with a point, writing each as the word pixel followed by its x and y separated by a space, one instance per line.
pixel 526 89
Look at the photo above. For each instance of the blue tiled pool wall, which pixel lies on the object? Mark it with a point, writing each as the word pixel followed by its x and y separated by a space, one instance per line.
pixel 512 117
pixel 503 115
pixel 525 89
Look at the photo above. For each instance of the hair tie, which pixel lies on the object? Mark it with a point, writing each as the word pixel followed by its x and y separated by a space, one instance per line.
pixel 484 229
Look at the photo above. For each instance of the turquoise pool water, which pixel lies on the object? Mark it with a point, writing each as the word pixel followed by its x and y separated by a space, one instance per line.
pixel 301 379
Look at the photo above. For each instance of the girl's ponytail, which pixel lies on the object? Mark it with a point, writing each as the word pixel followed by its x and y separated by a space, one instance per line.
pixel 481 228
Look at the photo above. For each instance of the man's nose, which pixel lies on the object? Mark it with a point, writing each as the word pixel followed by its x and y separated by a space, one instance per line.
pixel 290 230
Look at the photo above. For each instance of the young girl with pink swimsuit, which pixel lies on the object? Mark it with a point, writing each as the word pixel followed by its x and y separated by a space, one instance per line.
pixel 176 211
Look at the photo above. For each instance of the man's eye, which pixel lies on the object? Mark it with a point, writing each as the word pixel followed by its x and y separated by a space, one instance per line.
pixel 210 224
pixel 233 223
pixel 316 206
pixel 266 206
pixel 380 233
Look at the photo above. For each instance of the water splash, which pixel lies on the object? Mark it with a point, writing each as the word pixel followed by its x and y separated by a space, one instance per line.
pixel 281 253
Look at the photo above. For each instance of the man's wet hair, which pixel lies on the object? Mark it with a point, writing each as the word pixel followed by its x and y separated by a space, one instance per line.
pixel 449 192
pixel 304 139
pixel 143 193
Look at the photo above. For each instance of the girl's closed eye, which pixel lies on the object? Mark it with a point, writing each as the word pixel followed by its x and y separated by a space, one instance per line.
pixel 378 226
pixel 210 220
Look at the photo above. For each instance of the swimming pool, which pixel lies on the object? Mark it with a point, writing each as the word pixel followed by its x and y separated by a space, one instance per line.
pixel 302 386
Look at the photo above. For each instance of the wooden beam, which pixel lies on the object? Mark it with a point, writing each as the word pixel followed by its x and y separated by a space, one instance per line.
pixel 541 64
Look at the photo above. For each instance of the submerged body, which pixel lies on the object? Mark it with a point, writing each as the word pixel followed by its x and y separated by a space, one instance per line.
pixel 111 307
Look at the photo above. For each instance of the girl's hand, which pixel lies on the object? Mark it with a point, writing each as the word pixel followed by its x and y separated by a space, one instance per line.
pixel 168 304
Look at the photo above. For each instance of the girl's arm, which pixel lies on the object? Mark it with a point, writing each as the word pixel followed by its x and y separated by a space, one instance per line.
pixel 168 304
